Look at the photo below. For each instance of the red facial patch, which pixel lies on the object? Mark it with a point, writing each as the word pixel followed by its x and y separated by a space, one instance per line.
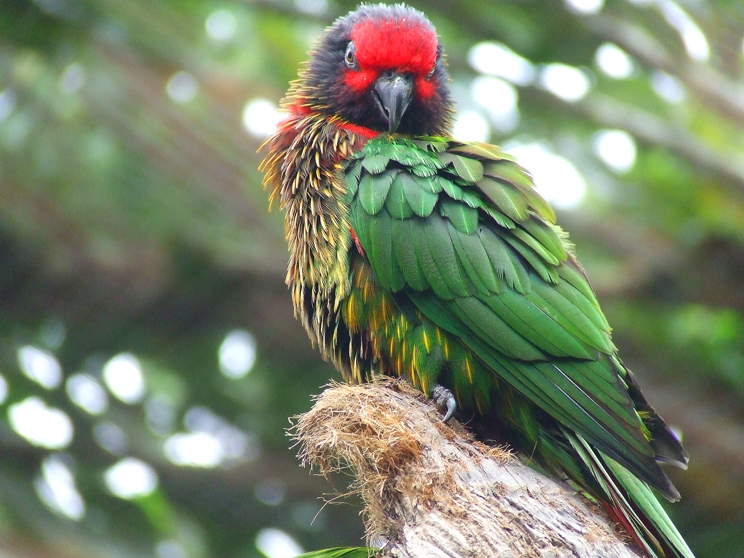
pixel 403 45
pixel 424 88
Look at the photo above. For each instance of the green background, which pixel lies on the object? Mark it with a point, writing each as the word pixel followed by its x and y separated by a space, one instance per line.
pixel 133 220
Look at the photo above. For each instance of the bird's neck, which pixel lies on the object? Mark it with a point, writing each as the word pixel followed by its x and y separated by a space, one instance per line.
pixel 304 170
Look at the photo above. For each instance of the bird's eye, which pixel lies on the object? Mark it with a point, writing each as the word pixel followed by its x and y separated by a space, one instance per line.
pixel 431 72
pixel 350 56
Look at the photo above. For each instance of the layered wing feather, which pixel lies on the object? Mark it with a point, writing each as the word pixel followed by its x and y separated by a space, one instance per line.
pixel 459 230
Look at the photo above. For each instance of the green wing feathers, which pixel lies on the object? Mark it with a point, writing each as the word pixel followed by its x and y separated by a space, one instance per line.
pixel 459 231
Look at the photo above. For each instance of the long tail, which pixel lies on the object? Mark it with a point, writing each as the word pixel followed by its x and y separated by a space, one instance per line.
pixel 359 552
pixel 632 503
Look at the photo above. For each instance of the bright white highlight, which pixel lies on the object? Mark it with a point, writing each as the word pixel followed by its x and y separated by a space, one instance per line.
pixel 616 148
pixel 196 449
pixel 221 25
pixel 40 425
pixel 182 87
pixel 499 98
pixel 261 117
pixel 471 126
pixel 668 87
pixel 237 354
pixel 613 61
pixel 123 376
pixel 56 488
pixel 130 478
pixel 565 82
pixel 556 178
pixel 692 36
pixel 585 6
pixel 3 389
pixel 235 443
pixel 87 393
pixel 499 60
pixel 40 366
pixel 274 543
pixel 211 442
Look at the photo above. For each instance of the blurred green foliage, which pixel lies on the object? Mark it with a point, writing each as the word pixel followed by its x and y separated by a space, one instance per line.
pixel 133 222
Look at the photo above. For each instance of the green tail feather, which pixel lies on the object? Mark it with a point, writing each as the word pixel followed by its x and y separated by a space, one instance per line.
pixel 359 552
pixel 635 501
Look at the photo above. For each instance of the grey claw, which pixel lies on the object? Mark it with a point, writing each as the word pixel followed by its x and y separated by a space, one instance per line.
pixel 444 400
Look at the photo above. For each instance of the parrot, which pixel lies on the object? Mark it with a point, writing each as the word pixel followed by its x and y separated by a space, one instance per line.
pixel 415 255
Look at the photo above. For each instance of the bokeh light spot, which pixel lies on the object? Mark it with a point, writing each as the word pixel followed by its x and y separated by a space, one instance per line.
pixel 40 425
pixel 87 393
pixel 194 449
pixel 111 437
pixel 40 366
pixel 270 492
pixel 585 6
pixel 182 87
pixel 221 25
pixel 261 117
pixel 556 178
pixel 499 60
pixel 471 126
pixel 56 488
pixel 130 478
pixel 613 61
pixel 616 148
pixel 275 543
pixel 565 82
pixel 123 376
pixel 237 354
pixel 696 44
pixel 668 87
pixel 235 443
pixel 499 98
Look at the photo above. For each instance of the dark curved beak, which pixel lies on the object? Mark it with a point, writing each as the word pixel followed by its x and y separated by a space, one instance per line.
pixel 393 93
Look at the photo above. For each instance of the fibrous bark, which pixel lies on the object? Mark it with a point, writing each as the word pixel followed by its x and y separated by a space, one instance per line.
pixel 430 490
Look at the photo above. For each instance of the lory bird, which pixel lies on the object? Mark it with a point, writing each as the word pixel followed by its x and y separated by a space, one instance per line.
pixel 417 255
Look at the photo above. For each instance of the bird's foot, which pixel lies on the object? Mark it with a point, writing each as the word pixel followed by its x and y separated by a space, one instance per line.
pixel 444 400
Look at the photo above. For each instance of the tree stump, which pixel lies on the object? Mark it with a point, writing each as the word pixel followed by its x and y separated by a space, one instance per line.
pixel 430 490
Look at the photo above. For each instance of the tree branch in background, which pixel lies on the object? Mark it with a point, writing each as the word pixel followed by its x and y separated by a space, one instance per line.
pixel 429 490
pixel 717 90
